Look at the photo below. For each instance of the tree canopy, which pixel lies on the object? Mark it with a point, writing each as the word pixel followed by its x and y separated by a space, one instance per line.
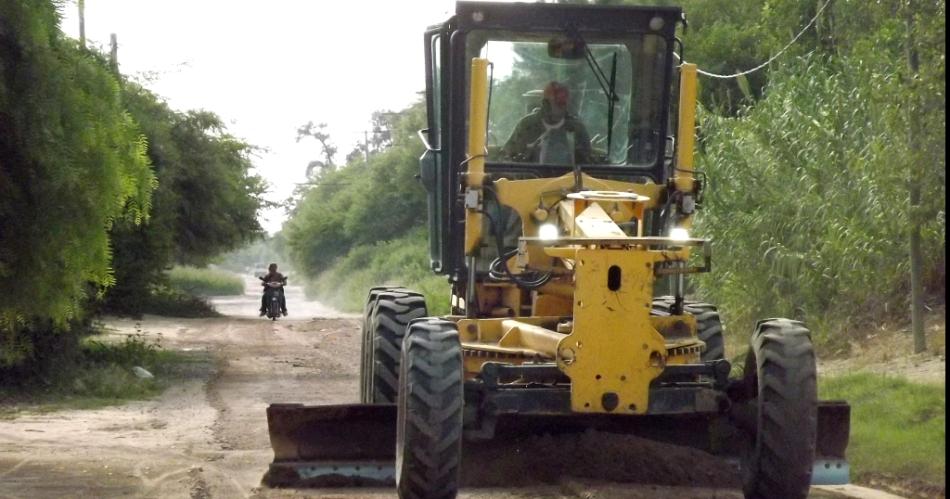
pixel 102 185
pixel 206 202
pixel 72 163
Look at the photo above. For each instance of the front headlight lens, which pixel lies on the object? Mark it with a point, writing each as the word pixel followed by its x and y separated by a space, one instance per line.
pixel 548 232
pixel 679 234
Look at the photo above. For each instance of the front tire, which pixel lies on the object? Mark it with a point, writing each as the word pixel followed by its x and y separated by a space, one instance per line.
pixel 708 325
pixel 429 412
pixel 782 369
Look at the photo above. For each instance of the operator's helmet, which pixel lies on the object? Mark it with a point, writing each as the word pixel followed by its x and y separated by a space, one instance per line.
pixel 272 267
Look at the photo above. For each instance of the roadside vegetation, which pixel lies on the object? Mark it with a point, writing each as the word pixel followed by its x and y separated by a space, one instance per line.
pixel 403 261
pixel 89 372
pixel 103 188
pixel 898 430
pixel 361 225
pixel 205 281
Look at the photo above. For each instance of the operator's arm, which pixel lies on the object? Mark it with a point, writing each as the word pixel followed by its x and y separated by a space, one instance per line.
pixel 516 148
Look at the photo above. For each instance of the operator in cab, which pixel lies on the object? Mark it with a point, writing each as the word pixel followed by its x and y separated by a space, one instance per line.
pixel 273 276
pixel 550 134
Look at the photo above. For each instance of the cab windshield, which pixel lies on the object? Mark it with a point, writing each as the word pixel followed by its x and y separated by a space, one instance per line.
pixel 598 105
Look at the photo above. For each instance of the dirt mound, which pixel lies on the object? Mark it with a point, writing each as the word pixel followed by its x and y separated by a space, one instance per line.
pixel 592 455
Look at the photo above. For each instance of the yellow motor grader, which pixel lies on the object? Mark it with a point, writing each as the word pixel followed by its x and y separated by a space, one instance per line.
pixel 561 193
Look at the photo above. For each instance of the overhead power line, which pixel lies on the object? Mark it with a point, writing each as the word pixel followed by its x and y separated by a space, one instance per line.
pixel 774 57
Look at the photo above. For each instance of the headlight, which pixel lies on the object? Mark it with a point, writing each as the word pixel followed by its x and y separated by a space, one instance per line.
pixel 679 234
pixel 548 232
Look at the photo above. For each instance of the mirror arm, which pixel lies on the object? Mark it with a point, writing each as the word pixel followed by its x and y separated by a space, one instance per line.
pixel 423 136
pixel 611 100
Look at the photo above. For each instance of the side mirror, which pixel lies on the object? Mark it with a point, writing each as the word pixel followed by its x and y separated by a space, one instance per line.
pixel 566 48
pixel 670 149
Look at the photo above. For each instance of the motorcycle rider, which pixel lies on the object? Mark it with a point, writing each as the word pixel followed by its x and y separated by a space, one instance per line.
pixel 273 276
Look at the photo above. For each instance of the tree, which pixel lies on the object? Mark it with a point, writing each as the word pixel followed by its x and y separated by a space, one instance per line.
pixel 360 203
pixel 319 133
pixel 206 203
pixel 72 164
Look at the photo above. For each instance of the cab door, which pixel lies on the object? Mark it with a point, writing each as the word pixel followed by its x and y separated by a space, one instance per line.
pixel 433 172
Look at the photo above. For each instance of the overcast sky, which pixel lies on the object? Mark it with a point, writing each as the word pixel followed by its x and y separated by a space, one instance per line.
pixel 268 67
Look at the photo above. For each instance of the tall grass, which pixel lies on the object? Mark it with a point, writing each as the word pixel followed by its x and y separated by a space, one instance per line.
pixel 205 281
pixel 402 262
pixel 898 428
pixel 807 202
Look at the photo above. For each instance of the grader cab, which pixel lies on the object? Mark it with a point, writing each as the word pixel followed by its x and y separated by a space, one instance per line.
pixel 561 194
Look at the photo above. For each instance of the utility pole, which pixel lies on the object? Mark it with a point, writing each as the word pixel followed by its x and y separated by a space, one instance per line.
pixel 914 187
pixel 366 144
pixel 82 23
pixel 114 53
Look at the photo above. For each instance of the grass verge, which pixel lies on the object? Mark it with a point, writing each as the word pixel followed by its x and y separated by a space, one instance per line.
pixel 98 374
pixel 205 282
pixel 898 429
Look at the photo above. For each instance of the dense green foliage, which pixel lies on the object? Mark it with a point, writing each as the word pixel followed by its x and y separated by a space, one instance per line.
pixel 898 428
pixel 359 226
pixel 361 204
pixel 206 201
pixel 102 189
pixel 807 205
pixel 808 197
pixel 205 281
pixel 72 163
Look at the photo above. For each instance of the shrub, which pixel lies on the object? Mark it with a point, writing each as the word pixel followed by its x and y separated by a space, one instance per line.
pixel 807 202
pixel 402 262
pixel 205 281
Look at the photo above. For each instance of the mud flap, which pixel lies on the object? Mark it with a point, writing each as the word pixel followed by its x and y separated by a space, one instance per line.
pixel 332 446
pixel 834 428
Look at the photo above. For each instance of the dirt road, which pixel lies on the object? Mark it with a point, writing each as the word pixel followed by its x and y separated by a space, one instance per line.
pixel 207 436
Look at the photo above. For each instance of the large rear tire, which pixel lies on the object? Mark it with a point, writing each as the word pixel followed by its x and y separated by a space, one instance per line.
pixel 781 366
pixel 366 342
pixel 429 414
pixel 708 324
pixel 389 312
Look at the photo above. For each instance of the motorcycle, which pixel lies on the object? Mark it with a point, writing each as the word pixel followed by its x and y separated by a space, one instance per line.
pixel 272 293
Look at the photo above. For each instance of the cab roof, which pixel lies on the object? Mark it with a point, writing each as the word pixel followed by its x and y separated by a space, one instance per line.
pixel 546 16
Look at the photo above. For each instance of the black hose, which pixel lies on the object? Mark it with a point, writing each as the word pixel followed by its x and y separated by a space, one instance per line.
pixel 498 269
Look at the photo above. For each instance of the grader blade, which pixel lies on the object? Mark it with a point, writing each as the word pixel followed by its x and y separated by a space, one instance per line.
pixel 331 446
